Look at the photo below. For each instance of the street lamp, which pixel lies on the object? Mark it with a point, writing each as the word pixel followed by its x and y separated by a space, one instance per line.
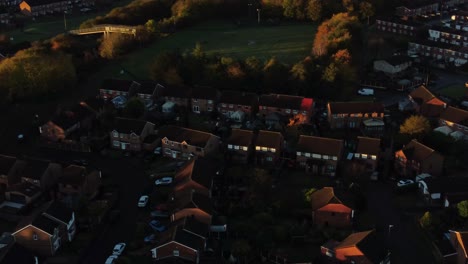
pixel 258 11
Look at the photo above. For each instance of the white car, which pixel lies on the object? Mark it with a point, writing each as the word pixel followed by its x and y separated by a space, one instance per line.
pixel 111 259
pixel 163 181
pixel 366 91
pixel 143 201
pixel 406 182
pixel 118 249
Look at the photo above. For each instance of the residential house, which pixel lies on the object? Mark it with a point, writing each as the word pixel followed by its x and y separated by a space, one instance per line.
pixel 112 88
pixel 448 35
pixel 268 147
pixel 237 105
pixel 459 241
pixel 328 210
pixel 443 190
pixel 353 114
pixel 296 108
pixel 179 244
pixel 459 16
pixel 41 236
pixel 43 7
pixel 319 155
pixel 42 173
pixel 7 171
pixel 129 134
pixel 190 203
pixel 196 175
pixel 368 152
pixel 425 103
pixel 438 51
pixel 184 143
pixel 240 145
pixel 23 193
pixel 178 95
pixel 65 217
pixel 416 158
pixel 12 253
pixel 77 183
pixel 147 91
pixel 10 2
pixel 413 10
pixel 4 18
pixel 80 116
pixel 398 26
pixel 455 118
pixel 204 99
pixel 361 247
pixel 393 66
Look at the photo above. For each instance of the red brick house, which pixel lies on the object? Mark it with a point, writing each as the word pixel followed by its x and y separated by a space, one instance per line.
pixel 77 183
pixel 368 152
pixel 239 145
pixel 292 107
pixel 362 247
pixel 196 175
pixel 353 114
pixel 204 99
pixel 237 105
pixel 455 118
pixel 41 173
pixel 268 147
pixel 416 158
pixel 65 217
pixel 459 240
pixel 7 172
pixel 178 95
pixel 181 244
pixel 111 88
pixel 443 52
pixel 448 35
pixel 425 103
pixel 319 155
pixel 129 134
pixel 189 203
pixel 147 91
pixel 184 143
pixel 328 210
pixel 23 193
pixel 398 26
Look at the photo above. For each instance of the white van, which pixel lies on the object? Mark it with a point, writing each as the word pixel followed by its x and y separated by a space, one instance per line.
pixel 366 91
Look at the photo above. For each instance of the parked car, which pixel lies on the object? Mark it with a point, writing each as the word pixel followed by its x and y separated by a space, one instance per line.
pixel 163 181
pixel 150 238
pixel 143 201
pixel 406 182
pixel 111 259
pixel 157 151
pixel 157 226
pixel 118 249
pixel 158 213
pixel 366 91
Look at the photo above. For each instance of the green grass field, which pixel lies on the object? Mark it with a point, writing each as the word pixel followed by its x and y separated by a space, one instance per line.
pixel 454 91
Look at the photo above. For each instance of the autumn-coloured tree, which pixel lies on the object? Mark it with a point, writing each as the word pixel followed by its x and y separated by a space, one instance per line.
pixel 463 209
pixel 330 73
pixel 415 125
pixel 314 10
pixel 426 220
pixel 366 10
pixel 342 57
pixel 348 5
pixel 115 45
pixel 275 75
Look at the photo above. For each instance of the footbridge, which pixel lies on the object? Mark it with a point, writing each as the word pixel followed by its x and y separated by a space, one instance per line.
pixel 106 29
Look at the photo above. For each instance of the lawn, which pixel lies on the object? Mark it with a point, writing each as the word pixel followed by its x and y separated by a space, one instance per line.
pixel 454 91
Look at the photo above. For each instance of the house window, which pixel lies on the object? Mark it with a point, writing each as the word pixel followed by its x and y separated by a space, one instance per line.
pixel 115 134
pixel 236 147
pixel 304 112
pixel 166 141
pixel 264 149
pixel 210 101
pixel 269 158
pixel 245 148
pixel 373 157
pixel 288 111
pixel 316 156
pixel 298 153
pixel 272 150
pixel 364 156
pixel 116 143
pixel 257 148
pixel 175 253
pixel 307 154
pixel 357 155
pixel 168 151
pixel 231 106
pixel 335 158
pixel 230 146
pixel 325 157
pixel 295 112
pixel 35 236
pixel 223 105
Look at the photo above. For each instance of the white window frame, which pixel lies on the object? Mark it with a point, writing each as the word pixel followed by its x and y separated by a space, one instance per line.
pixel 236 147
pixel 364 156
pixel 269 158
pixel 373 157
pixel 316 156
pixel 265 149
pixel 298 153
pixel 307 154
pixel 257 148
pixel 230 146
pixel 116 143
pixel 272 150
pixel 35 237
pixel 244 148
pixel 325 157
pixel 175 253
pixel 115 134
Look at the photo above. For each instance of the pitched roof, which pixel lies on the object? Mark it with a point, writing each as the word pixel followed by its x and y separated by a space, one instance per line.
pixel 368 145
pixel 455 115
pixel 238 98
pixel 34 168
pixel 180 134
pixel 397 60
pixel 6 164
pixel 200 170
pixel 240 137
pixel 322 197
pixel 177 91
pixel 207 93
pixel 462 239
pixel 417 151
pixel 25 188
pixel 45 224
pixel 368 243
pixel 281 101
pixel 320 145
pixel 269 139
pixel 355 107
pixel 177 234
pixel 116 85
pixel 146 86
pixel 190 199
pixel 73 174
pixel 128 126
pixel 432 108
pixel 59 211
pixel 421 94
pixel 192 225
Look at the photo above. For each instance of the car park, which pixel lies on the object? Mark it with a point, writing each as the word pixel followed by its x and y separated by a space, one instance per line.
pixel 143 201
pixel 405 182
pixel 163 181
pixel 157 226
pixel 118 249
pixel 111 259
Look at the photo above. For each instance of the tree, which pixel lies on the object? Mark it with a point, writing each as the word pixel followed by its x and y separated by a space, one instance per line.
pixel 275 75
pixel 197 51
pixel 289 9
pixel 150 26
pixel 134 108
pixel 366 10
pixel 314 10
pixel 330 73
pixel 348 5
pixel 426 220
pixel 308 194
pixel 415 125
pixel 463 209
pixel 342 57
pixel 115 45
